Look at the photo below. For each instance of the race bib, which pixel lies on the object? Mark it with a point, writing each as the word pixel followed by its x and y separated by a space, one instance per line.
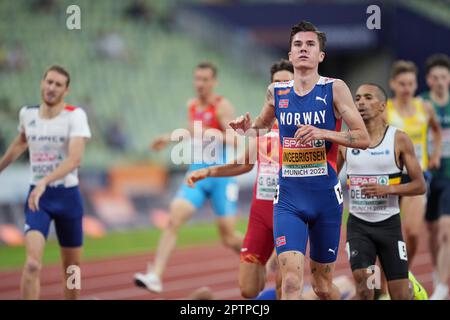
pixel 402 251
pixel 277 195
pixel 44 162
pixel 338 192
pixel 267 181
pixel 362 203
pixel 304 160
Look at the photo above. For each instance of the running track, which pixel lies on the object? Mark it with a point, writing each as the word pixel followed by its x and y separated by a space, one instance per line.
pixel 189 269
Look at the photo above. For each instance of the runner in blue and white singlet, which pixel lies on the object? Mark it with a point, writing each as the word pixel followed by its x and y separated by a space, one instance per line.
pixel 308 203
pixel 309 196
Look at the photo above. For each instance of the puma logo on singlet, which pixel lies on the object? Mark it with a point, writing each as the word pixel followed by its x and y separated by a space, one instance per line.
pixel 332 251
pixel 322 99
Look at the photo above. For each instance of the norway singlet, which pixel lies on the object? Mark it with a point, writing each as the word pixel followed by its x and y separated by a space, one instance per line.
pixel 309 199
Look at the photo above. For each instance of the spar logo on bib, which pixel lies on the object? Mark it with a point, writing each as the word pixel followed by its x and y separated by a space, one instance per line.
pixel 362 203
pixel 361 180
pixel 304 159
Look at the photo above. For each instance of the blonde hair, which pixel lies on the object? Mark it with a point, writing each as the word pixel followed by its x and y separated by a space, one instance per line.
pixel 403 66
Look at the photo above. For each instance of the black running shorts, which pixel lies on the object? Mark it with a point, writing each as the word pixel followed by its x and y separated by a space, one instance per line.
pixel 439 199
pixel 367 240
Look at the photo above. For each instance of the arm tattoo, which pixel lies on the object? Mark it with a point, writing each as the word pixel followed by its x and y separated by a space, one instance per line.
pixel 269 96
pixel 349 137
pixel 313 270
pixel 327 269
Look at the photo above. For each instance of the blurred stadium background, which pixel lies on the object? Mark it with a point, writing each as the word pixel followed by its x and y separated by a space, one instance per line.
pixel 131 66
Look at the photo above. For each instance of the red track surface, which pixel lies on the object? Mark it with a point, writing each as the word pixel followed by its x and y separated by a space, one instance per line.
pixel 189 269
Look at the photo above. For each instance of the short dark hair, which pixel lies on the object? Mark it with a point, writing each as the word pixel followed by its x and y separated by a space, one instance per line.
pixel 305 26
pixel 437 60
pixel 60 70
pixel 208 65
pixel 403 66
pixel 281 65
pixel 381 92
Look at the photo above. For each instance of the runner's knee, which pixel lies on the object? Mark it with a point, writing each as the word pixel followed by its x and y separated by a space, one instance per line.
pixel 229 240
pixel 444 229
pixel 32 266
pixel 179 213
pixel 174 224
pixel 362 289
pixel 444 233
pixel 412 233
pixel 363 292
pixel 401 294
pixel 323 289
pixel 292 282
pixel 71 262
pixel 252 279
pixel 249 291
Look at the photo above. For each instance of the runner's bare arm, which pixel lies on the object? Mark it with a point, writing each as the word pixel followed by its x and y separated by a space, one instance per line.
pixel 14 151
pixel 355 137
pixel 341 158
pixel 407 156
pixel 236 167
pixel 225 170
pixel 264 120
pixel 436 133
pixel 225 114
